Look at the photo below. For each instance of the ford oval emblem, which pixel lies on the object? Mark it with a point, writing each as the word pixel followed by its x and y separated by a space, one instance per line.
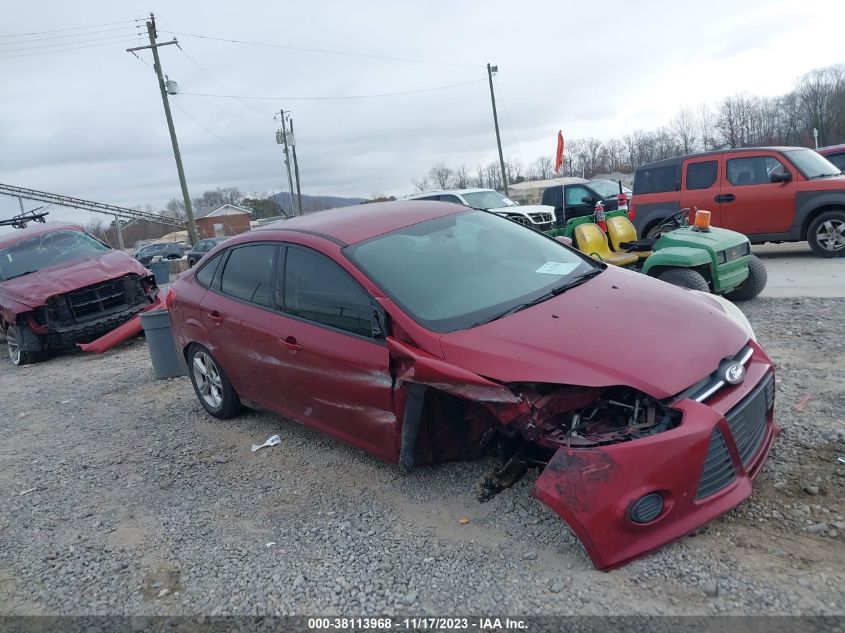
pixel 734 373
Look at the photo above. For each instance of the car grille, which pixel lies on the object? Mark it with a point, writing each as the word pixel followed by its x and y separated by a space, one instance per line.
pixel 540 218
pixel 718 470
pixel 747 423
pixel 747 420
pixel 93 301
pixel 702 390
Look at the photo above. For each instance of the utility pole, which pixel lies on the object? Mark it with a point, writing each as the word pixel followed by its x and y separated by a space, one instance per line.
pixel 284 141
pixel 490 71
pixel 189 210
pixel 296 169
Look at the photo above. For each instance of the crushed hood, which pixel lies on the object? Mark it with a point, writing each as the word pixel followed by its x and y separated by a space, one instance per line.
pixel 620 328
pixel 34 289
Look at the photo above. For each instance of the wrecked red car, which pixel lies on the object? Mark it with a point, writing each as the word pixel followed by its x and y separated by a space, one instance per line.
pixel 60 286
pixel 423 332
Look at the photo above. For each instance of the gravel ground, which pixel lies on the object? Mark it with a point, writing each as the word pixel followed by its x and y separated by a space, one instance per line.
pixel 137 502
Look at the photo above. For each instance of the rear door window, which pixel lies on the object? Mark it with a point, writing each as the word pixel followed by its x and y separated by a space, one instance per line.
pixel 702 175
pixel 450 198
pixel 657 179
pixel 753 170
pixel 838 160
pixel 319 290
pixel 205 275
pixel 248 274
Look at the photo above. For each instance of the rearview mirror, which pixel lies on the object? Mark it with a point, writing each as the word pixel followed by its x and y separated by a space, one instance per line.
pixel 564 240
pixel 781 176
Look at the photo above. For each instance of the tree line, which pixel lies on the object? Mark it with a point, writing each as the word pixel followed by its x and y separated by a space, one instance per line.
pixel 817 101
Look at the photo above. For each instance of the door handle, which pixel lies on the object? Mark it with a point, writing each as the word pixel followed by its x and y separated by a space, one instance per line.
pixel 290 343
pixel 216 317
pixel 725 197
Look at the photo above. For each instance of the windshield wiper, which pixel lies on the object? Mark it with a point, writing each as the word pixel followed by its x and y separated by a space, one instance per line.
pixel 554 292
pixel 26 272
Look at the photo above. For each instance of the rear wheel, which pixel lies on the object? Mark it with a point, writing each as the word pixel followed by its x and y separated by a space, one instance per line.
pixel 826 234
pixel 654 231
pixel 754 284
pixel 685 278
pixel 14 337
pixel 211 384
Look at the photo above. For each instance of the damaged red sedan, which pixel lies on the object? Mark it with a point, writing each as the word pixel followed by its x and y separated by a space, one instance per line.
pixel 424 332
pixel 60 286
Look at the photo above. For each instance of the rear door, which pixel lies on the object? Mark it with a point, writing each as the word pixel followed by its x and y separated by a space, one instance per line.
pixel 333 368
pixel 236 312
pixel 751 202
pixel 701 186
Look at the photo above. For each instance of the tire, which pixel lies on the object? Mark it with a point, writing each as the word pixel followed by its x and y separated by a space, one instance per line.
pixel 685 278
pixel 754 284
pixel 212 386
pixel 826 234
pixel 654 230
pixel 16 354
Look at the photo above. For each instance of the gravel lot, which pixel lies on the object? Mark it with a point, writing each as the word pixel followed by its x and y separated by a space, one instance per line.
pixel 143 504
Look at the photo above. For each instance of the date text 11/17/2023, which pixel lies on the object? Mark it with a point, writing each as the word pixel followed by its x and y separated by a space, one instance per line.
pixel 424 623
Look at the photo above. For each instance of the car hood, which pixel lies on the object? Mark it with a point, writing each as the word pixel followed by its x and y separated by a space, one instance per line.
pixel 525 208
pixel 620 328
pixel 33 290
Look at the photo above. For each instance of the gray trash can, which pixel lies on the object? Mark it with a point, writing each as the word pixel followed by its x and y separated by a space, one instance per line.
pixel 166 360
pixel 161 271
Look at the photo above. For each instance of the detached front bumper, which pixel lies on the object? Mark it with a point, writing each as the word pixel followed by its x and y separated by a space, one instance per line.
pixel 701 469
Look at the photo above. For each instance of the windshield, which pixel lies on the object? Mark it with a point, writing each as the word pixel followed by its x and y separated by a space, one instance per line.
pixel 812 164
pixel 454 272
pixel 43 251
pixel 607 188
pixel 488 200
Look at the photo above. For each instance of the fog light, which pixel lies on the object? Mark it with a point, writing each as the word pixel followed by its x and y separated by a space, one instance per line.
pixel 647 508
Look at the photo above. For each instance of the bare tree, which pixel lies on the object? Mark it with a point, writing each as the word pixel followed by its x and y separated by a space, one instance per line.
pixel 707 127
pixel 513 168
pixel 822 96
pixel 683 125
pixel 421 184
pixel 440 175
pixel 541 168
pixel 615 155
pixel 493 175
pixel 460 178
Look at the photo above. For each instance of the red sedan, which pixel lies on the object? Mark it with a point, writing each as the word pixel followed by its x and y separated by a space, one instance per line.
pixel 423 332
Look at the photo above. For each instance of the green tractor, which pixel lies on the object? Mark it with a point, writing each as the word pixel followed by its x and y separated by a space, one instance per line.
pixel 695 256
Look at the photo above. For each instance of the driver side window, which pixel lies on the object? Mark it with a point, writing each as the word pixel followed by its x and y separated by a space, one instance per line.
pixel 574 196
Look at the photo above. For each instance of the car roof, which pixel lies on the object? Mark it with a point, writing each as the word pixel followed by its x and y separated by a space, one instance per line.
pixel 831 149
pixel 437 192
pixel 36 228
pixel 348 225
pixel 731 150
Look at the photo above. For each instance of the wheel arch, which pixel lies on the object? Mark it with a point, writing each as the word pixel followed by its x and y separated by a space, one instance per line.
pixel 812 215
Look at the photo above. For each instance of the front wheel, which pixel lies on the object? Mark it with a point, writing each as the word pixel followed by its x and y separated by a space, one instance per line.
pixel 826 234
pixel 14 338
pixel 753 284
pixel 685 278
pixel 212 386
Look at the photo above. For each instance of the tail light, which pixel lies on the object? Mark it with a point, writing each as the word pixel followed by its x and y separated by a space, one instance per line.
pixel 170 298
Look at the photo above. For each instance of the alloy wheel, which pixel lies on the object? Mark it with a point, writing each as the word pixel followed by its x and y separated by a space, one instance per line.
pixel 831 235
pixel 12 343
pixel 208 381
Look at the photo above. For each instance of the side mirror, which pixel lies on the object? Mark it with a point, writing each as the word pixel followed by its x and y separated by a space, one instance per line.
pixel 587 200
pixel 783 176
pixel 564 240
pixel 378 321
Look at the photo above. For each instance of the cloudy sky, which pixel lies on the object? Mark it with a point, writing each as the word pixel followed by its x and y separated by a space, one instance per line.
pixel 89 122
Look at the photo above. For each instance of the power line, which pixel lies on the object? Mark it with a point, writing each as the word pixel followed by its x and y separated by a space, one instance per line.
pixel 63 50
pixel 340 97
pixel 325 51
pixel 222 140
pixel 110 38
pixel 68 35
pixel 69 28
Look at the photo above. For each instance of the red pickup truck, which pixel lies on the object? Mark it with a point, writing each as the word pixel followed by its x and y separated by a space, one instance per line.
pixel 772 194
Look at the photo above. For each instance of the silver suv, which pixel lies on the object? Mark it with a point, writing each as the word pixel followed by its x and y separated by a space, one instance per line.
pixel 536 216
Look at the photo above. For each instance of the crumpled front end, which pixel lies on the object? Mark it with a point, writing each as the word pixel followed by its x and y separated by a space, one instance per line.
pixel 628 472
pixel 624 500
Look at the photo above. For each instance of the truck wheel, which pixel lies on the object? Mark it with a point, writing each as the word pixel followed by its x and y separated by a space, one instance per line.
pixel 685 278
pixel 826 234
pixel 653 230
pixel 19 356
pixel 754 283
